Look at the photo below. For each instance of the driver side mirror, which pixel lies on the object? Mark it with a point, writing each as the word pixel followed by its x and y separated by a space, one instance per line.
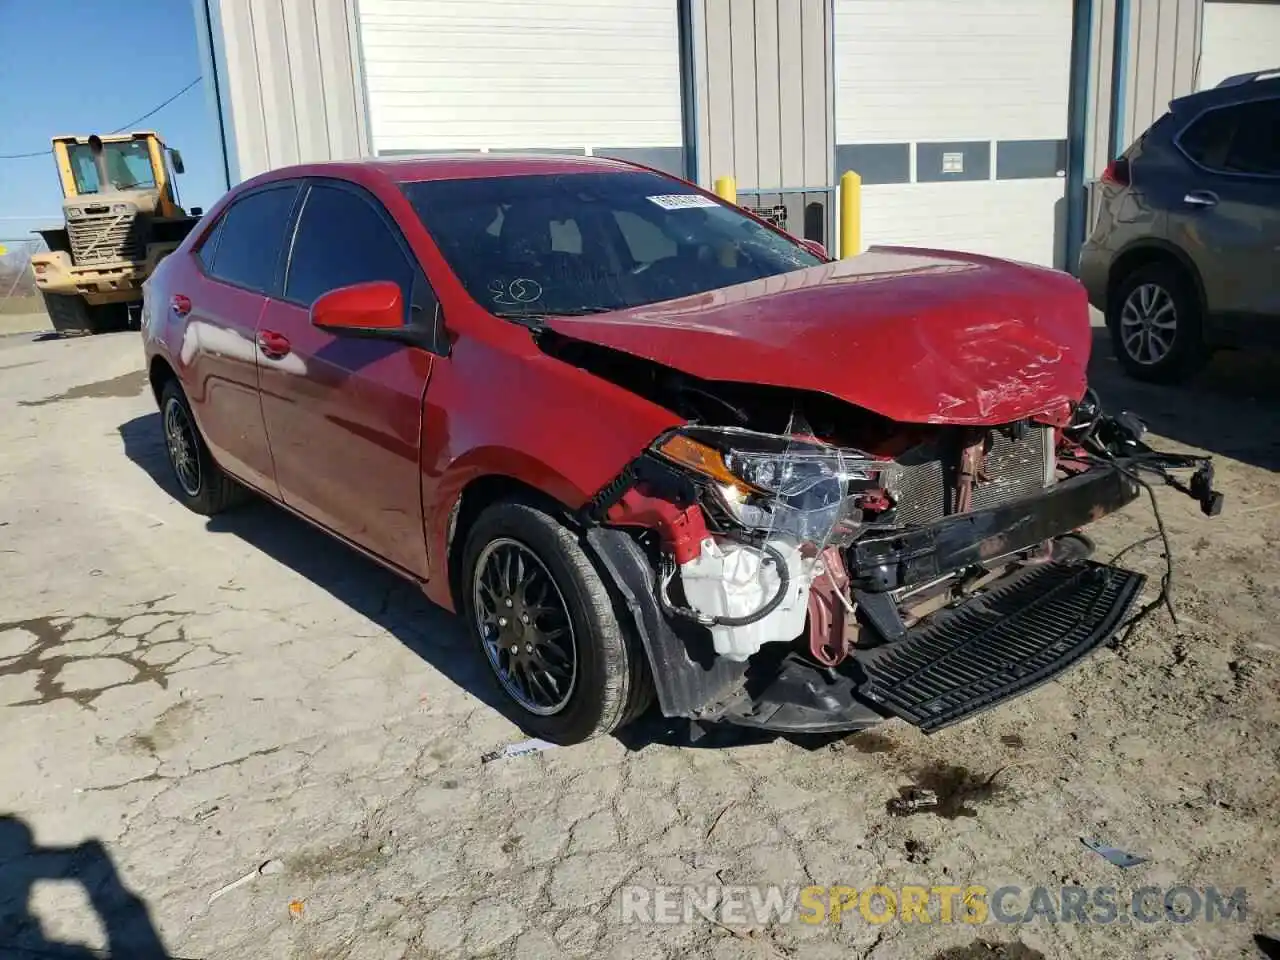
pixel 176 157
pixel 373 309
pixel 816 248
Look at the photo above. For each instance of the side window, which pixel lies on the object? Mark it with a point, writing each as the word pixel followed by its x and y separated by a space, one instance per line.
pixel 251 236
pixel 1256 146
pixel 1207 140
pixel 343 240
pixel 209 245
pixel 1239 139
pixel 644 240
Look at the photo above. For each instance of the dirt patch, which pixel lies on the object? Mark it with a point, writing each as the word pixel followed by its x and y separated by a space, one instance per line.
pixel 943 791
pixel 126 385
pixel 869 741
pixel 985 950
pixel 170 728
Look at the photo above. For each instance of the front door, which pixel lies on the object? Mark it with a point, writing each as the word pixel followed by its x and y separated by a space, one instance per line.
pixel 344 415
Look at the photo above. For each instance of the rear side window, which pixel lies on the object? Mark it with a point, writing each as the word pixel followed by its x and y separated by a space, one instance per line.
pixel 250 238
pixel 1243 139
pixel 209 246
pixel 342 240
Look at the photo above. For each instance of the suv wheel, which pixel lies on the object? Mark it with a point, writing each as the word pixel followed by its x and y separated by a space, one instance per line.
pixel 545 624
pixel 1155 323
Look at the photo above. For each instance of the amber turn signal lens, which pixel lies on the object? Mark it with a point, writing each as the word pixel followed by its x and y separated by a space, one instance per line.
pixel 702 459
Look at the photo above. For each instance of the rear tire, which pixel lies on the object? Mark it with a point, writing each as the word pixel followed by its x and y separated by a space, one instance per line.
pixel 1156 324
pixel 202 485
pixel 608 683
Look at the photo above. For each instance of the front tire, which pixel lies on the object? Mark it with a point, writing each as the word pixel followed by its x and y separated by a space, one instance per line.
pixel 543 620
pixel 202 485
pixel 1156 325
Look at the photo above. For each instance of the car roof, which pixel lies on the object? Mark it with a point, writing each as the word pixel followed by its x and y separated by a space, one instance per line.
pixel 454 166
pixel 1259 85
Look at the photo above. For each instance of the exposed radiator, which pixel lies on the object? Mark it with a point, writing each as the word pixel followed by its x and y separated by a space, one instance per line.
pixel 106 238
pixel 1016 468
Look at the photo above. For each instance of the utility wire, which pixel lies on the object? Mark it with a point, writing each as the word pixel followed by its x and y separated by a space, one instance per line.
pixel 124 126
pixel 154 110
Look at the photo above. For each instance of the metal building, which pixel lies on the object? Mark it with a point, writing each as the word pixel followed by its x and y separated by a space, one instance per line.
pixel 974 124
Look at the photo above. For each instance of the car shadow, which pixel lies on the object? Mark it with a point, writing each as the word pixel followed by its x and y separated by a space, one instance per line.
pixel 123 915
pixel 390 601
pixel 436 636
pixel 1230 409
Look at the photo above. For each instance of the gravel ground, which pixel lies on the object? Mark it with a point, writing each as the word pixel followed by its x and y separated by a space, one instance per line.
pixel 182 700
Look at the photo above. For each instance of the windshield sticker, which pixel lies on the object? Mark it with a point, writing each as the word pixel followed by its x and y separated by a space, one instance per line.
pixel 519 290
pixel 682 201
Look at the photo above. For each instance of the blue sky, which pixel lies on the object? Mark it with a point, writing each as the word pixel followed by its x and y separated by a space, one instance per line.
pixel 86 66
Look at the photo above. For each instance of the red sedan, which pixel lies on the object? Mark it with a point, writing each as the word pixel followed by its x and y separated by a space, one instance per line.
pixel 647 444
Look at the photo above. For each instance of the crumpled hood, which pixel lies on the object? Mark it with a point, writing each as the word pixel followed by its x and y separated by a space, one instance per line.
pixel 919 336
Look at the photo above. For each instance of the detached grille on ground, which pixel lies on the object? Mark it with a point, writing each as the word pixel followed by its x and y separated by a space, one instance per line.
pixel 1008 640
pixel 106 238
pixel 1015 468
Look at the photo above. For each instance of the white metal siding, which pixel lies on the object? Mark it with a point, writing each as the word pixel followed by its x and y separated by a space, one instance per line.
pixel 511 74
pixel 286 78
pixel 913 71
pixel 1238 38
pixel 942 70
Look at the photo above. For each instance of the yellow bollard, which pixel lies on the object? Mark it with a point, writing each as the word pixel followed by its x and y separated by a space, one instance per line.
pixel 727 189
pixel 850 214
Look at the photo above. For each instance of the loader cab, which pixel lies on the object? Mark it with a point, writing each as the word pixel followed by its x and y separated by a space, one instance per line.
pixel 137 167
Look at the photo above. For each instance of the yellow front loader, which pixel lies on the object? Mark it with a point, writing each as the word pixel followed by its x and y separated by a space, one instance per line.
pixel 120 218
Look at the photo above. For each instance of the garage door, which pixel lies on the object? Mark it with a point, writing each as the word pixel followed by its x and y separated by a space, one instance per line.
pixel 955 115
pixel 1238 38
pixel 596 76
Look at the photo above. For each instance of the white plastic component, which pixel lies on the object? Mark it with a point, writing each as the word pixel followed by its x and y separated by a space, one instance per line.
pixel 734 580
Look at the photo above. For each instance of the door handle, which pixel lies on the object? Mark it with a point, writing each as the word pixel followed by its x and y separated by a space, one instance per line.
pixel 273 345
pixel 180 305
pixel 1201 198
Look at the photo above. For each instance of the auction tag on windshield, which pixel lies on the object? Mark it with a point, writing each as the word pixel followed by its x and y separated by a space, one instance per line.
pixel 682 201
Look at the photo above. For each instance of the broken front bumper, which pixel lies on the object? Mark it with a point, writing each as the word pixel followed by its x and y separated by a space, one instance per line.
pixel 1022 630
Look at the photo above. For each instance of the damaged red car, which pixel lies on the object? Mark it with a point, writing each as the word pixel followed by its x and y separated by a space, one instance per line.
pixel 647 445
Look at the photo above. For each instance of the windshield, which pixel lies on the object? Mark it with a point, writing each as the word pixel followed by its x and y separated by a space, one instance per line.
pixel 127 165
pixel 590 242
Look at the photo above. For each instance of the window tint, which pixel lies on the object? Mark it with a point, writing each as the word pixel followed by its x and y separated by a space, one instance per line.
pixel 251 236
pixel 591 242
pixel 343 240
pixel 209 245
pixel 1239 139
pixel 1255 148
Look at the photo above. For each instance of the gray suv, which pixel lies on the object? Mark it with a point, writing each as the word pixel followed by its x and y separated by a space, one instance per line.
pixel 1185 254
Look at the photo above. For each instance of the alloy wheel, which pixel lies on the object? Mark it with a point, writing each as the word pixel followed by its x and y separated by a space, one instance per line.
pixel 180 439
pixel 1148 324
pixel 525 627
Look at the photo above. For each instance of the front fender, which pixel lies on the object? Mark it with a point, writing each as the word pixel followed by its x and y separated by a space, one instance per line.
pixel 491 410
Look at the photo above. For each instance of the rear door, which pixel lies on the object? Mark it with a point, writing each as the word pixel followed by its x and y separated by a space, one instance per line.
pixel 343 414
pixel 1228 215
pixel 239 262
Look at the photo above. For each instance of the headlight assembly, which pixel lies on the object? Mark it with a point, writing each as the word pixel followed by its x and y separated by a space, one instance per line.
pixel 782 485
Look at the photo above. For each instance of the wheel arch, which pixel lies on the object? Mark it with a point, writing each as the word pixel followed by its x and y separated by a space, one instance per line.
pixel 1154 251
pixel 159 373
pixel 479 493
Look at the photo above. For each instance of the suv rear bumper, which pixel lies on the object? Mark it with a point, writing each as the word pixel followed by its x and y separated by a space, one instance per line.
pixel 1094 270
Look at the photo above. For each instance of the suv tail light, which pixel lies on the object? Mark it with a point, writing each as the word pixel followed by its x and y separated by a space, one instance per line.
pixel 1117 172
